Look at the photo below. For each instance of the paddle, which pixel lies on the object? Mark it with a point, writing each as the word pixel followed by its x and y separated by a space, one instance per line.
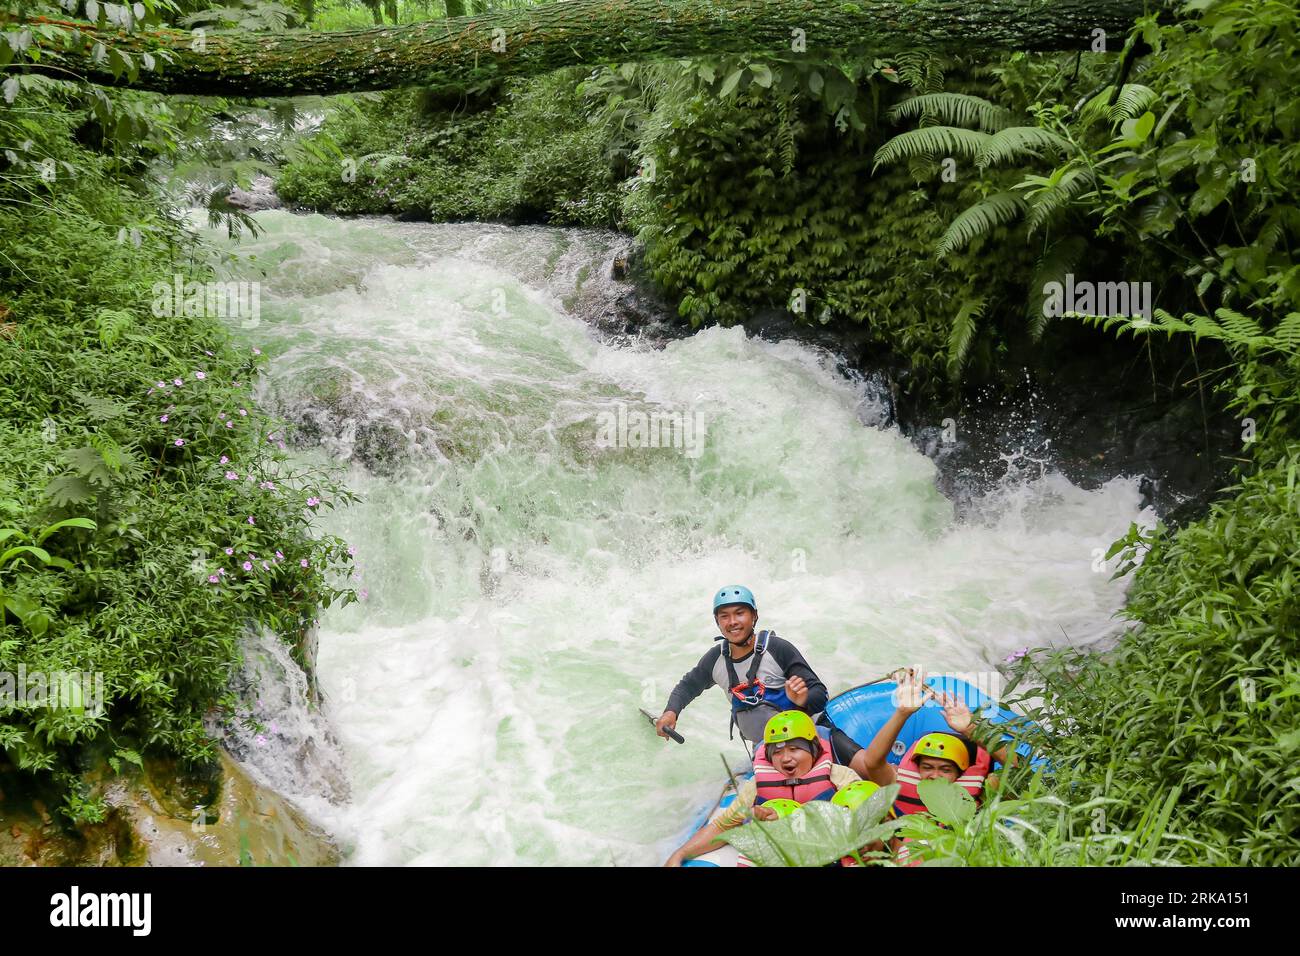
pixel 668 730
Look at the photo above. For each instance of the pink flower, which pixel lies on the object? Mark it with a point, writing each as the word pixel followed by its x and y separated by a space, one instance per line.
pixel 178 381
pixel 302 562
pixel 261 741
pixel 250 520
pixel 162 418
pixel 257 351
pixel 232 476
pixel 279 556
pixel 312 502
pixel 280 445
pixel 265 566
pixel 267 486
pixel 221 571
pixel 207 353
pixel 224 460
pixel 1016 655
pixel 213 579
pixel 352 552
pixel 243 412
pixel 200 376
pixel 364 594
pixel 248 565
pixel 230 424
pixel 178 442
pixel 159 384
pixel 230 550
pixel 221 416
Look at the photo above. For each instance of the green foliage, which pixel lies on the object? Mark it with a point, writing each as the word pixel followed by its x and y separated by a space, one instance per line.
pixel 534 157
pixel 818 834
pixel 115 508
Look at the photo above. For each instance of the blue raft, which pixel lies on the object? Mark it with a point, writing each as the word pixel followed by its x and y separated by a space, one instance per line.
pixel 860 713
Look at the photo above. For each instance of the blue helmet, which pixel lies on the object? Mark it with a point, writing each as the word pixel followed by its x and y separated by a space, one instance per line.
pixel 734 594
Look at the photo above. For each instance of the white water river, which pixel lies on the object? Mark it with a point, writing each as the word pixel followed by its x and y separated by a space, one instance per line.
pixel 528 589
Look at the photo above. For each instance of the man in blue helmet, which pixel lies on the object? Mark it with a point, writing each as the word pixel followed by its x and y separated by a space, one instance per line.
pixel 761 674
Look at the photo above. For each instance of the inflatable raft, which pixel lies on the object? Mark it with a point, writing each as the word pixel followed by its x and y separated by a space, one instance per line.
pixel 860 713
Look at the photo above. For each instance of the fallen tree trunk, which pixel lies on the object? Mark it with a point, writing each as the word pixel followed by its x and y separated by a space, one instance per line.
pixel 533 40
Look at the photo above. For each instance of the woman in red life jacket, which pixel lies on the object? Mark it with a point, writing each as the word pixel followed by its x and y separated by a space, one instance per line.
pixel 794 764
pixel 953 757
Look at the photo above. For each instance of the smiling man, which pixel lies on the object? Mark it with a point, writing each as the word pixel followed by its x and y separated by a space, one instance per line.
pixel 761 674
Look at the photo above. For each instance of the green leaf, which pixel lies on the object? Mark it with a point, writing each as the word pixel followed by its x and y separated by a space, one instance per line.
pixel 950 804
pixel 818 834
pixel 85 523
pixel 731 82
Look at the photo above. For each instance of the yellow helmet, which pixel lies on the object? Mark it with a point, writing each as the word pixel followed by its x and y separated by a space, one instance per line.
pixel 789 725
pixel 944 747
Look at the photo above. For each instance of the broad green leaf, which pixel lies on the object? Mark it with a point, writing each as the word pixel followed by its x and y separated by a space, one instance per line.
pixel 950 804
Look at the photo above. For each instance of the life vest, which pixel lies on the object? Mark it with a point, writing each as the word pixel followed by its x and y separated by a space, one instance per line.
pixel 771 783
pixel 972 780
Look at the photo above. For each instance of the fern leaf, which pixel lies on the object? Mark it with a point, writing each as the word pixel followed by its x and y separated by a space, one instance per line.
pixel 1287 333
pixel 933 140
pixel 1171 324
pixel 979 219
pixel 1019 142
pixel 962 332
pixel 1241 330
pixel 1059 258
pixel 1046 204
pixel 111 324
pixel 954 109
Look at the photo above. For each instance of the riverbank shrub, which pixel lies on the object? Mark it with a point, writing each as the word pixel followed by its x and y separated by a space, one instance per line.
pixel 148 515
pixel 533 157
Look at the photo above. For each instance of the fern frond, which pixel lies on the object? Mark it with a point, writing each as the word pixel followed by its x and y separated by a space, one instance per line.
pixel 1059 258
pixel 979 219
pixel 1287 333
pixel 1020 142
pixel 962 332
pixel 111 324
pixel 1241 329
pixel 1171 324
pixel 933 140
pixel 1134 99
pixel 954 109
pixel 1046 204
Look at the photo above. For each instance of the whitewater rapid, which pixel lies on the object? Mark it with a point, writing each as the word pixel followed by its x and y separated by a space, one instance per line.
pixel 527 588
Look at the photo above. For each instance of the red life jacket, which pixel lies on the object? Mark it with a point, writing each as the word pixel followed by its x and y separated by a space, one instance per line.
pixel 972 780
pixel 771 783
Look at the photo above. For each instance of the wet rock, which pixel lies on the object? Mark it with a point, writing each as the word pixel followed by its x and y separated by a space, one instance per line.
pixel 259 195
pixel 163 815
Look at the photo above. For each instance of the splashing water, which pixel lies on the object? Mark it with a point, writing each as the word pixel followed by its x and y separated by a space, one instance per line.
pixel 529 586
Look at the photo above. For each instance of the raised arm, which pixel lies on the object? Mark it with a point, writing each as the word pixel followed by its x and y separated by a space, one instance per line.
pixel 910 695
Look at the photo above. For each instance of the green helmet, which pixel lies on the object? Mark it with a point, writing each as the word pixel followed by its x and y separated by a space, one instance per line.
pixel 789 725
pixel 855 794
pixel 782 806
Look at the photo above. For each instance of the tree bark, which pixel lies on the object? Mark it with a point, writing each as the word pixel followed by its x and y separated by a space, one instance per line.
pixel 532 40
